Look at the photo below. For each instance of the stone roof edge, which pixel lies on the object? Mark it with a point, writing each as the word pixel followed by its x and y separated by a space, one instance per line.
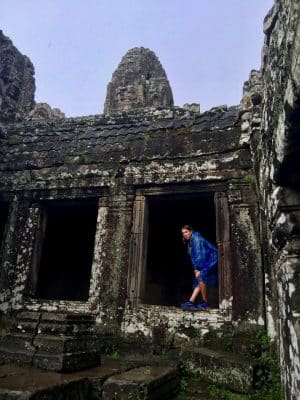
pixel 144 116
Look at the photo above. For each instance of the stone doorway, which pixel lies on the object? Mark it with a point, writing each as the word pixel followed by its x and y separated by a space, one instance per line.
pixel 159 270
pixel 64 249
pixel 169 273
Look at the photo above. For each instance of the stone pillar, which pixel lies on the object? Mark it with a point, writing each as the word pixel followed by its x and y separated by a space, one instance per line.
pixel 247 272
pixel 113 271
pixel 25 255
pixel 17 253
pixel 100 253
pixel 224 251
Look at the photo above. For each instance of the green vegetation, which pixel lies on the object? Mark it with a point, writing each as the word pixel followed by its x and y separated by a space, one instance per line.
pixel 223 394
pixel 187 374
pixel 109 348
pixel 251 180
pixel 267 375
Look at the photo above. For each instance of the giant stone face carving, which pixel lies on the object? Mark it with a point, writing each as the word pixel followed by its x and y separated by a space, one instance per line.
pixel 139 81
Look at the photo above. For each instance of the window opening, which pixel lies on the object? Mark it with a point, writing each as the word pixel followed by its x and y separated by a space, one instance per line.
pixel 4 208
pixel 66 257
pixel 169 273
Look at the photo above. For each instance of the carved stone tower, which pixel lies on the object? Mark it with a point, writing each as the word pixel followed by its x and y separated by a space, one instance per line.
pixel 139 81
pixel 17 84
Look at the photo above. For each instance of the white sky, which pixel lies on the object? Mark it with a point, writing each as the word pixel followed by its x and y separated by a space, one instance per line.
pixel 207 47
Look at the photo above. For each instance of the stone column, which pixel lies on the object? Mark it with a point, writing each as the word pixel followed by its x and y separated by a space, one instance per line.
pixel 17 253
pixel 113 271
pixel 247 270
pixel 224 251
pixel 23 267
pixel 100 254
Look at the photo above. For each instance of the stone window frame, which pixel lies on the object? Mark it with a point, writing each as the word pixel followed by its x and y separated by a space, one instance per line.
pixel 139 239
pixel 36 199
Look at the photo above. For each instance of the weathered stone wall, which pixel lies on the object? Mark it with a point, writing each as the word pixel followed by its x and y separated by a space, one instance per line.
pixel 276 161
pixel 111 158
pixel 17 83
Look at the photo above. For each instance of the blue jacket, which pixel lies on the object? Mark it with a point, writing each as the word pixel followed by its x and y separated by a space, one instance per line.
pixel 204 256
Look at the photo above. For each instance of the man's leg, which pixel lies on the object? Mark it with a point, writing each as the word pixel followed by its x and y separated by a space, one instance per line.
pixel 195 293
pixel 203 291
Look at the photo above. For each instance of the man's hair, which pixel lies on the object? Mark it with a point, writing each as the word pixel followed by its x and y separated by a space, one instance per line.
pixel 188 227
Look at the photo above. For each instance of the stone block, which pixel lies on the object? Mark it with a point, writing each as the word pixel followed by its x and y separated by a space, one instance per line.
pixel 66 362
pixel 22 341
pixel 67 344
pixel 16 356
pixel 149 382
pixel 221 368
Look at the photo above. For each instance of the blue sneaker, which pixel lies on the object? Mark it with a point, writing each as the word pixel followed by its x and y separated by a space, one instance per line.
pixel 188 304
pixel 203 306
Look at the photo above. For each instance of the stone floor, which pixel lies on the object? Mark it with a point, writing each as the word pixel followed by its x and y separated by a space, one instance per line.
pixel 114 376
pixel 16 378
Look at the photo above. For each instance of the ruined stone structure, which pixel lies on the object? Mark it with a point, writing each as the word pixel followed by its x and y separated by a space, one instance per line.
pixel 139 81
pixel 43 110
pixel 16 82
pixel 82 200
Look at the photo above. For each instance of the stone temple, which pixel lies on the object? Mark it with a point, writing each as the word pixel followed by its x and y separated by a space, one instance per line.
pixel 82 268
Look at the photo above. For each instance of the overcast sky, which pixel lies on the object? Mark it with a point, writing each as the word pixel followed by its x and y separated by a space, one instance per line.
pixel 207 47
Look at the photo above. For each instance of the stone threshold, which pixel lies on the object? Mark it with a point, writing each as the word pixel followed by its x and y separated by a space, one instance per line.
pixel 69 306
pixel 144 318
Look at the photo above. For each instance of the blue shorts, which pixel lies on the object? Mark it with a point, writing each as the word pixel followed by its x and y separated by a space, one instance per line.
pixel 209 278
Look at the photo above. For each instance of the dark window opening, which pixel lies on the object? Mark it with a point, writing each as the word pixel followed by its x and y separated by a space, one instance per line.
pixel 4 208
pixel 169 273
pixel 67 250
pixel 288 174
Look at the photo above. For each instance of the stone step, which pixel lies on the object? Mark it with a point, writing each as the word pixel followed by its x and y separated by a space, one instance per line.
pixel 147 383
pixel 56 341
pixel 20 383
pixel 53 323
pixel 228 370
